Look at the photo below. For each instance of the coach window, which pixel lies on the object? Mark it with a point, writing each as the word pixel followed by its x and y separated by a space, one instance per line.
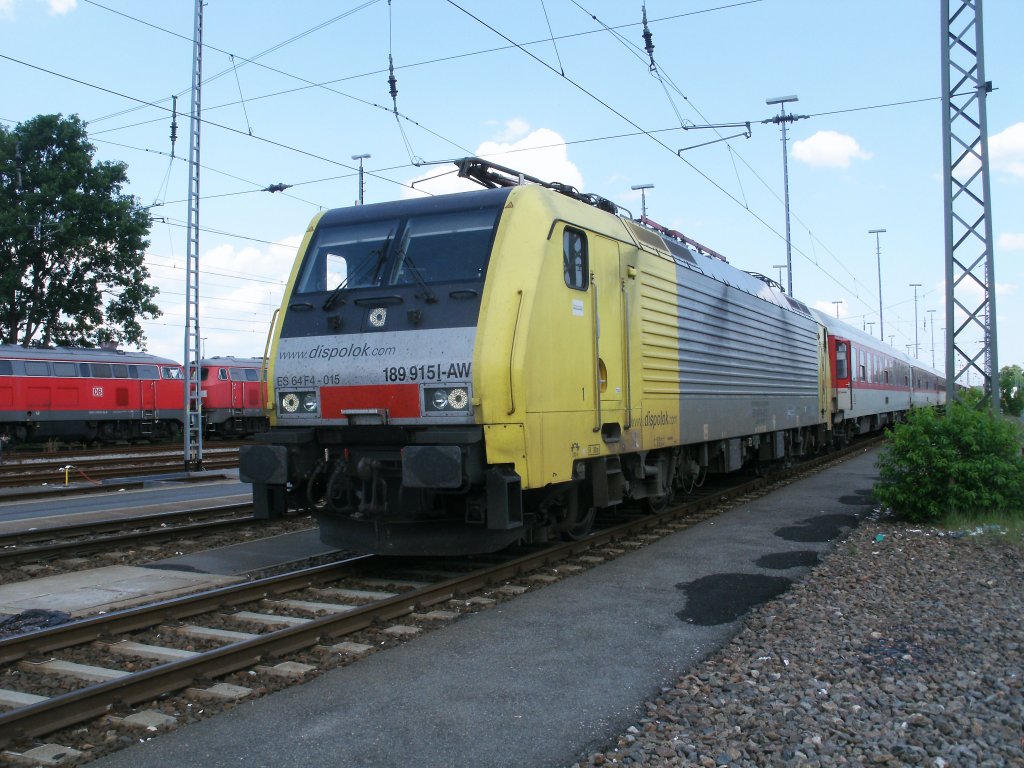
pixel 36 368
pixel 65 370
pixel 575 261
pixel 6 369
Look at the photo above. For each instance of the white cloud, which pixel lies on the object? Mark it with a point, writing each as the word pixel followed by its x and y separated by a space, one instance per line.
pixel 6 10
pixel 540 153
pixel 1010 241
pixel 239 291
pixel 61 7
pixel 829 149
pixel 1006 150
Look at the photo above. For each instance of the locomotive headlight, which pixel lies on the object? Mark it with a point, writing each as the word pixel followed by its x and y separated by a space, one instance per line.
pixel 298 402
pixel 454 401
pixel 458 399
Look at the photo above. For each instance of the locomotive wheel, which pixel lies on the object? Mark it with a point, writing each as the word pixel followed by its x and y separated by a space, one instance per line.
pixel 657 504
pixel 581 524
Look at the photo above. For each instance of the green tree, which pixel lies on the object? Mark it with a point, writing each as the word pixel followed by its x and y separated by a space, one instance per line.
pixel 1011 389
pixel 72 243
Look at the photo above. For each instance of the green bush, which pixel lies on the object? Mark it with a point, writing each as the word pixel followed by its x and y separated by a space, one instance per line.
pixel 963 461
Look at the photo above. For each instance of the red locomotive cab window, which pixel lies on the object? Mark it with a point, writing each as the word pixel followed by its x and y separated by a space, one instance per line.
pixel 222 374
pixel 170 372
pixel 842 361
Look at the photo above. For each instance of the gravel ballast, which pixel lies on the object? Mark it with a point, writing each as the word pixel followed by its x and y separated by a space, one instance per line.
pixel 904 647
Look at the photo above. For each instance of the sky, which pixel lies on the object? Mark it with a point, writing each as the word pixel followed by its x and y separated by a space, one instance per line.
pixel 559 89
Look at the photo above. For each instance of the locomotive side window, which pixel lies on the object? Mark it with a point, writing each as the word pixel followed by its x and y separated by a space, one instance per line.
pixel 222 374
pixel 6 369
pixel 65 370
pixel 102 370
pixel 575 261
pixel 237 374
pixel 148 372
pixel 351 256
pixel 36 368
pixel 170 372
pixel 120 371
pixel 251 374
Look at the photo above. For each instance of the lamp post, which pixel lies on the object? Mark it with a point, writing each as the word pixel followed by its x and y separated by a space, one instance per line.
pixel 360 158
pixel 643 197
pixel 837 303
pixel 878 253
pixel 782 118
pixel 917 347
pixel 779 267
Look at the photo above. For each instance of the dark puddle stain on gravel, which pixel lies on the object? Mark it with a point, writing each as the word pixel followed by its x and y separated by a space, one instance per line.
pixel 724 597
pixel 818 529
pixel 779 561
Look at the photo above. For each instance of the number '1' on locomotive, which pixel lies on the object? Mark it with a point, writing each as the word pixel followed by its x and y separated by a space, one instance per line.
pixel 457 373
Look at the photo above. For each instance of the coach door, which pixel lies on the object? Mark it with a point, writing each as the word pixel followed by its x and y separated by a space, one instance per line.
pixel 609 359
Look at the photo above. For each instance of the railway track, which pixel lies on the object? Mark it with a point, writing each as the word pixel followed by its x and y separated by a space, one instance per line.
pixel 82 538
pixel 94 468
pixel 322 616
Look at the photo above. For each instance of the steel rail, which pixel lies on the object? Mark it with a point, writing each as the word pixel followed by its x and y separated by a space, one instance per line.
pixel 12 554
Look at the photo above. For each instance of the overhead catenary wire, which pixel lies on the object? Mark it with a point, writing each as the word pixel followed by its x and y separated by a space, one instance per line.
pixel 624 117
pixel 551 32
pixel 240 96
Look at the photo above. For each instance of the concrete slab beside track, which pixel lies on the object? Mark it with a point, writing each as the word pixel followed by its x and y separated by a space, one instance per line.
pixel 102 589
pixel 548 676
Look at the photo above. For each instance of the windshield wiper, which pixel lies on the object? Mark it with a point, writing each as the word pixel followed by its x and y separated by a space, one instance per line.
pixel 381 252
pixel 429 295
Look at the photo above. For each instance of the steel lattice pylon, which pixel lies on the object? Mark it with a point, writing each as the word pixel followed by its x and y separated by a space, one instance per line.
pixel 970 321
pixel 193 395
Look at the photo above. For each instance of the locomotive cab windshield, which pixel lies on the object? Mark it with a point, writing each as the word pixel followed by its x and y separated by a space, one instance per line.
pixel 417 250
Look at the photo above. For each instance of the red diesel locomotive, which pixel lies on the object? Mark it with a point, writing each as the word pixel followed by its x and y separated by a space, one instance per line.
pixel 233 396
pixel 90 395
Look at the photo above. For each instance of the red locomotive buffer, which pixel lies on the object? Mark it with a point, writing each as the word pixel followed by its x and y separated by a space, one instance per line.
pixel 102 395
pixel 233 396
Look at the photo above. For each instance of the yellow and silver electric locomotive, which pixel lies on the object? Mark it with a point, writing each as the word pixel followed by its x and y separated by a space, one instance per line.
pixel 458 373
